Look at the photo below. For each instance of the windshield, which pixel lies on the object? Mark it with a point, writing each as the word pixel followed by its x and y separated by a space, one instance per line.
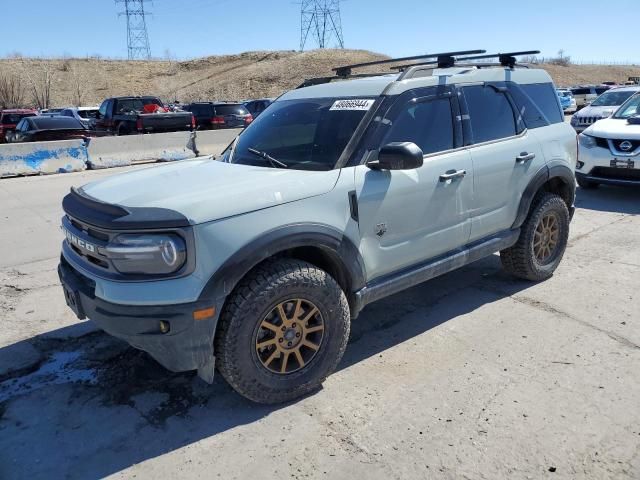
pixel 630 108
pixel 307 134
pixel 612 99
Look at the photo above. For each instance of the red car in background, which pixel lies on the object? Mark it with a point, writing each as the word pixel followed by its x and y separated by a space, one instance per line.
pixel 10 118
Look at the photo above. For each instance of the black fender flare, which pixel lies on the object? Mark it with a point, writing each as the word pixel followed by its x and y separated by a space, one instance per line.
pixel 328 239
pixel 554 169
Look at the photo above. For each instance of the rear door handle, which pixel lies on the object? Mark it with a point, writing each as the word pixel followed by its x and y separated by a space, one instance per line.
pixel 452 174
pixel 525 157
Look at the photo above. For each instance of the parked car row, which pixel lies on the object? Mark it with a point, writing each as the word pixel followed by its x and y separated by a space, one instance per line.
pixel 128 116
pixel 602 107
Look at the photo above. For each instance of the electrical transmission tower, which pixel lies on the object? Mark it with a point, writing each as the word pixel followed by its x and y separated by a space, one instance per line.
pixel 137 37
pixel 321 19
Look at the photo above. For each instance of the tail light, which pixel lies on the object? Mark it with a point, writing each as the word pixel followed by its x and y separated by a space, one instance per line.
pixel 217 120
pixel 193 122
pixel 139 125
pixel 248 119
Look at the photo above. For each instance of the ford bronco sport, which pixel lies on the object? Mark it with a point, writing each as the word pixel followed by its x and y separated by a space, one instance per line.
pixel 349 189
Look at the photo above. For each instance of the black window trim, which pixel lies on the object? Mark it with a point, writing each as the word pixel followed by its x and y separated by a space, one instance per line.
pixel 446 91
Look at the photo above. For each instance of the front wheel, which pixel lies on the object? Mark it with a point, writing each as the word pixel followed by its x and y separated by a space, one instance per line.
pixel 282 332
pixel 542 242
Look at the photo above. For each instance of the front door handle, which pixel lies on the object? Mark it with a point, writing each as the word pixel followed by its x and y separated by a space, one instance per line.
pixel 452 174
pixel 525 157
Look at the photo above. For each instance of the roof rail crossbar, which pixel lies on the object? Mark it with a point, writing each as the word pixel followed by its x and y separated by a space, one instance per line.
pixel 506 59
pixel 446 57
pixel 322 80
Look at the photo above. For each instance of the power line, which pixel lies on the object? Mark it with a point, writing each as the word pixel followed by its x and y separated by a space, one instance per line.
pixel 321 19
pixel 137 37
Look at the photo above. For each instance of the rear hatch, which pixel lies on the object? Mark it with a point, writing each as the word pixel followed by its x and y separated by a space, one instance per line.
pixel 234 115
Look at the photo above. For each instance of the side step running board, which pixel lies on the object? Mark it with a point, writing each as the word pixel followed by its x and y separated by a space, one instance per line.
pixel 396 282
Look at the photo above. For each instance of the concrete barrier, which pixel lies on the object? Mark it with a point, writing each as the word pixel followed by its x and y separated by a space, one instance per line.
pixel 213 142
pixel 42 157
pixel 106 152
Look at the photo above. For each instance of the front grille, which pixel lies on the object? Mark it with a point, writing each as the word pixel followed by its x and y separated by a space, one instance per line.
pixel 616 173
pixel 96 238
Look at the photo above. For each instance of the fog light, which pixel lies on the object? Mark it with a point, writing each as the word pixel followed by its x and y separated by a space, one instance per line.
pixel 579 164
pixel 164 326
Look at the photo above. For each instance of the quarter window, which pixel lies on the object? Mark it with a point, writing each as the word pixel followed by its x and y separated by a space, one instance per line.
pixel 491 114
pixel 428 124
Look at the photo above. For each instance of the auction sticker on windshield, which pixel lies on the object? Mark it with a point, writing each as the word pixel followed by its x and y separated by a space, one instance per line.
pixel 352 104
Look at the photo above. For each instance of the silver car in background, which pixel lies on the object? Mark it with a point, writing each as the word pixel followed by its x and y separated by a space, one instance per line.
pixel 602 107
pixel 84 115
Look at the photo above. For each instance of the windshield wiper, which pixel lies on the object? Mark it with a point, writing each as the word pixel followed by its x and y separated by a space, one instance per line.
pixel 273 161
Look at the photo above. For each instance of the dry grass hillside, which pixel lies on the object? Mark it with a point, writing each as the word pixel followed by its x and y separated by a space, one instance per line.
pixel 246 75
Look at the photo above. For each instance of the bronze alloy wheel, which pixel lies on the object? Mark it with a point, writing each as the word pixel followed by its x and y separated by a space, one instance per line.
pixel 289 336
pixel 545 238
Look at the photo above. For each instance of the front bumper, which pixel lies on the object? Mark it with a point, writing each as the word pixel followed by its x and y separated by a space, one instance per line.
pixel 188 345
pixel 597 167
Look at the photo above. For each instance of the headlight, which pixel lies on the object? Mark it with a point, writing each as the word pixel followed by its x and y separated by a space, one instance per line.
pixel 151 254
pixel 586 141
pixel 574 120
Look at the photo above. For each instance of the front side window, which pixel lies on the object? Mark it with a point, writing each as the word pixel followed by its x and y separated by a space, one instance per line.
pixel 304 134
pixel 490 113
pixel 103 108
pixel 428 124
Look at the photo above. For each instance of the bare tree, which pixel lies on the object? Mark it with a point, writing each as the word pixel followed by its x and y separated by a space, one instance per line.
pixel 79 86
pixel 561 59
pixel 39 78
pixel 11 91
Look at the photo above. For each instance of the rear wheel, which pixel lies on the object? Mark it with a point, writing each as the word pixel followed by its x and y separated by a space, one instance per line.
pixel 542 242
pixel 586 184
pixel 282 332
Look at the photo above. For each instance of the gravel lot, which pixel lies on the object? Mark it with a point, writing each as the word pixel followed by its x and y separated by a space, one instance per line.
pixel 471 375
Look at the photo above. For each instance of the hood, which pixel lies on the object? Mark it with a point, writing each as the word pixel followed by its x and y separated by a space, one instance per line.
pixel 614 128
pixel 204 190
pixel 601 112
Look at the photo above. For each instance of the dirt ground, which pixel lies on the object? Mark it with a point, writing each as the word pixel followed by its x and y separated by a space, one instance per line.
pixel 471 375
pixel 227 77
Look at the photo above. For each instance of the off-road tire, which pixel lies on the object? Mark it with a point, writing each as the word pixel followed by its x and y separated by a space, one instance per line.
pixel 520 260
pixel 258 294
pixel 586 184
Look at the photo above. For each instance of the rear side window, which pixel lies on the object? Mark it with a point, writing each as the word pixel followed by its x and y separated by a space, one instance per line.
pixel 491 114
pixel 544 96
pixel 428 124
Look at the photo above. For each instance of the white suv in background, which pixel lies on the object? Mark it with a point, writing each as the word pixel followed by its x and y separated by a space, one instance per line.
pixel 602 107
pixel 609 150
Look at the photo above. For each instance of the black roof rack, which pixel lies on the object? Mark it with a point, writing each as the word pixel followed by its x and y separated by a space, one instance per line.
pixel 444 58
pixel 507 59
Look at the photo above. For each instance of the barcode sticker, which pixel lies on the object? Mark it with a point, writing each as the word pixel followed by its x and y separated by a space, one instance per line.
pixel 352 105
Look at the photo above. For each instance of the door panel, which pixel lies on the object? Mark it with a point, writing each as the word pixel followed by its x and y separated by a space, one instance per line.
pixel 499 181
pixel 407 217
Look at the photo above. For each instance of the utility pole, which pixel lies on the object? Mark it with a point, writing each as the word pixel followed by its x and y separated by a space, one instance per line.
pixel 137 37
pixel 321 19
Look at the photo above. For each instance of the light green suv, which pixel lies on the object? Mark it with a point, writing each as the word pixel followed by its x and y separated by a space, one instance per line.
pixel 344 191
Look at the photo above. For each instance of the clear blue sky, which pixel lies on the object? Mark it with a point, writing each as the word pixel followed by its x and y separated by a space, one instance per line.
pixel 194 28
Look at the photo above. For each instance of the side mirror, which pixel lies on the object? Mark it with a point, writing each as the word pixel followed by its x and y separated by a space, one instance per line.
pixel 398 156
